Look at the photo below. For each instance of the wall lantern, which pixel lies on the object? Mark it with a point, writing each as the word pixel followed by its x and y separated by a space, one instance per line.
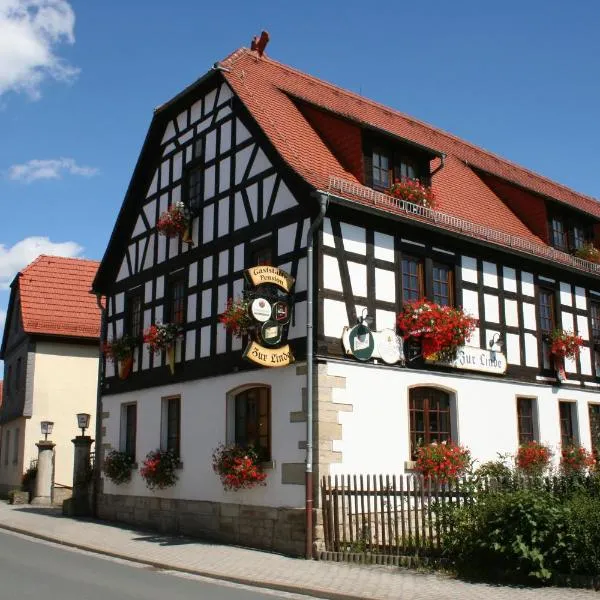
pixel 46 427
pixel 83 422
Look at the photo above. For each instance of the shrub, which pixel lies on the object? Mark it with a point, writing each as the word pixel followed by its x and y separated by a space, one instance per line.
pixel 118 466
pixel 238 467
pixel 28 480
pixel 159 468
pixel 446 461
pixel 523 535
pixel 495 469
pixel 533 458
pixel 585 530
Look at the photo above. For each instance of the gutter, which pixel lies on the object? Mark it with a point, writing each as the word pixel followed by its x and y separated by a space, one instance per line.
pixel 98 446
pixel 323 204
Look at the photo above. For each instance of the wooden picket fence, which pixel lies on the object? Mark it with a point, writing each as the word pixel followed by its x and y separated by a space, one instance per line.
pixel 388 514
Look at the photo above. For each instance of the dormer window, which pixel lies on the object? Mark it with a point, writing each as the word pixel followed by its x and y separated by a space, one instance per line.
pixel 388 167
pixel 567 233
pixel 381 169
pixel 559 235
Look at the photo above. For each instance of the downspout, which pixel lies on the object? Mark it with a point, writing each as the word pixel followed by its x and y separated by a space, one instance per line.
pixel 98 446
pixel 323 203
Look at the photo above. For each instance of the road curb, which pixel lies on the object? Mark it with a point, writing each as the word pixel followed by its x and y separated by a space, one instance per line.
pixel 279 587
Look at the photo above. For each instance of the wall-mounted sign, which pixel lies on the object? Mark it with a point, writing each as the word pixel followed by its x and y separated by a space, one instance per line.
pixel 269 307
pixel 469 358
pixel 264 274
pixel 359 342
pixel 261 309
pixel 269 357
pixel 389 345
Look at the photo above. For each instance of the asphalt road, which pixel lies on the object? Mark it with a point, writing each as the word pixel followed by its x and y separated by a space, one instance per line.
pixel 37 570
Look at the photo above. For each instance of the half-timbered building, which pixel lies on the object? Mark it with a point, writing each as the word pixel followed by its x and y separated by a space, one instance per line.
pixel 257 152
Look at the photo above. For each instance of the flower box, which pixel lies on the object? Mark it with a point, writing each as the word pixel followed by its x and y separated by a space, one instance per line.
pixel 588 252
pixel 235 318
pixel 412 190
pixel 576 460
pixel 118 467
pixel 445 462
pixel 159 469
pixel 175 222
pixel 120 351
pixel 238 467
pixel 440 329
pixel 162 336
pixel 533 458
pixel 564 344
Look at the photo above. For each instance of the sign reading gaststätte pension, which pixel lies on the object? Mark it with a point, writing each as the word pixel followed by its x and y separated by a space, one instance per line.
pixel 265 274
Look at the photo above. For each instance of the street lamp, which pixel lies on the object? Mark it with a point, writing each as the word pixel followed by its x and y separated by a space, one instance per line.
pixel 47 427
pixel 83 422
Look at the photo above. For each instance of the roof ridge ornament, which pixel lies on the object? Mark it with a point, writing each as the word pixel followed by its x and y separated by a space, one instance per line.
pixel 259 43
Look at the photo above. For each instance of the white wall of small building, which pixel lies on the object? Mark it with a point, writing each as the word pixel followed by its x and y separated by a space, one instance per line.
pixel 65 383
pixel 203 428
pixel 376 431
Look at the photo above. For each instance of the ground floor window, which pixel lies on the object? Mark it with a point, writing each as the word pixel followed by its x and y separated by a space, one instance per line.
pixel 568 433
pixel 430 417
pixel 129 429
pixel 252 420
pixel 526 420
pixel 594 412
pixel 171 424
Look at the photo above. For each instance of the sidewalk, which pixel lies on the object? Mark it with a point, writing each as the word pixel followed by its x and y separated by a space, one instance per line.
pixel 252 567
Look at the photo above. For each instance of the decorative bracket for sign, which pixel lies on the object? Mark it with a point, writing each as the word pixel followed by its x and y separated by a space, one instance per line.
pixel 269 307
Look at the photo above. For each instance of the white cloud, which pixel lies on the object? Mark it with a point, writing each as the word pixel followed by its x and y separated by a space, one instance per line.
pixel 48 169
pixel 30 31
pixel 15 258
pixel 2 319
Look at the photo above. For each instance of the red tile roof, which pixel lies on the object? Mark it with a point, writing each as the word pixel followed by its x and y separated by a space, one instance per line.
pixel 55 297
pixel 268 89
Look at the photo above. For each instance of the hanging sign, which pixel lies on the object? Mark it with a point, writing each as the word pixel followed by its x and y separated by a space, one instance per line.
pixel 469 358
pixel 269 357
pixel 269 307
pixel 362 343
pixel 389 346
pixel 359 342
pixel 265 274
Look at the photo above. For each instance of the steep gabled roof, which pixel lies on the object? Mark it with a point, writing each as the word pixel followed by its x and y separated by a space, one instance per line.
pixel 55 297
pixel 268 88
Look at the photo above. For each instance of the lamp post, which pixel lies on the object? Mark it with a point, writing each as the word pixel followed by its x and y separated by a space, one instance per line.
pixel 83 422
pixel 43 481
pixel 47 427
pixel 80 501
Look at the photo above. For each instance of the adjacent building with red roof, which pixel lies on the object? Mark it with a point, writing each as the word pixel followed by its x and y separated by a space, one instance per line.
pixel 252 160
pixel 50 353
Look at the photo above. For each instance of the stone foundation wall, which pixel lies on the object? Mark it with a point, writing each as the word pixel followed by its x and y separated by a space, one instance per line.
pixel 264 527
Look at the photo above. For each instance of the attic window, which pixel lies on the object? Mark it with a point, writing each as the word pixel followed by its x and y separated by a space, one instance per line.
pixel 387 166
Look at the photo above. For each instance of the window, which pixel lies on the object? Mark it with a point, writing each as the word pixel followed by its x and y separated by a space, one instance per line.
pixel 381 169
pixel 134 315
pixel 386 169
pixel 261 254
pixel 18 374
pixel 546 310
pixel 6 448
pixel 595 314
pixel 443 288
pixel 171 424
pixel 578 237
pixel 594 413
pixel 194 189
pixel 16 447
pixel 177 300
pixel 525 420
pixel 129 429
pixel 413 287
pixel 252 420
pixel 559 235
pixel 429 410
pixel 567 428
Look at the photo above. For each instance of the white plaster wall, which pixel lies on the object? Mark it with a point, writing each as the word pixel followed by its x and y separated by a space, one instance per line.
pixel 11 473
pixel 203 427
pixel 64 384
pixel 376 432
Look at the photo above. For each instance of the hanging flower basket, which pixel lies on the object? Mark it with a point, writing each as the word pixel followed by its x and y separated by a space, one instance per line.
pixel 576 460
pixel 588 252
pixel 235 318
pixel 445 462
pixel 118 466
pixel 120 351
pixel 238 467
pixel 533 458
pixel 441 329
pixel 412 190
pixel 159 469
pixel 175 222
pixel 162 336
pixel 564 344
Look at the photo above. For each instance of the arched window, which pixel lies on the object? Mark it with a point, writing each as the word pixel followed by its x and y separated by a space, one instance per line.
pixel 430 418
pixel 249 419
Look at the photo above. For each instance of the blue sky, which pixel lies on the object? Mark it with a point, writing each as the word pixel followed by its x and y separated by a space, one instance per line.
pixel 79 81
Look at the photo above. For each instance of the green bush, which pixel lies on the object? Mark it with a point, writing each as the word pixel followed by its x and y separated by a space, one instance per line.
pixel 518 535
pixel 585 530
